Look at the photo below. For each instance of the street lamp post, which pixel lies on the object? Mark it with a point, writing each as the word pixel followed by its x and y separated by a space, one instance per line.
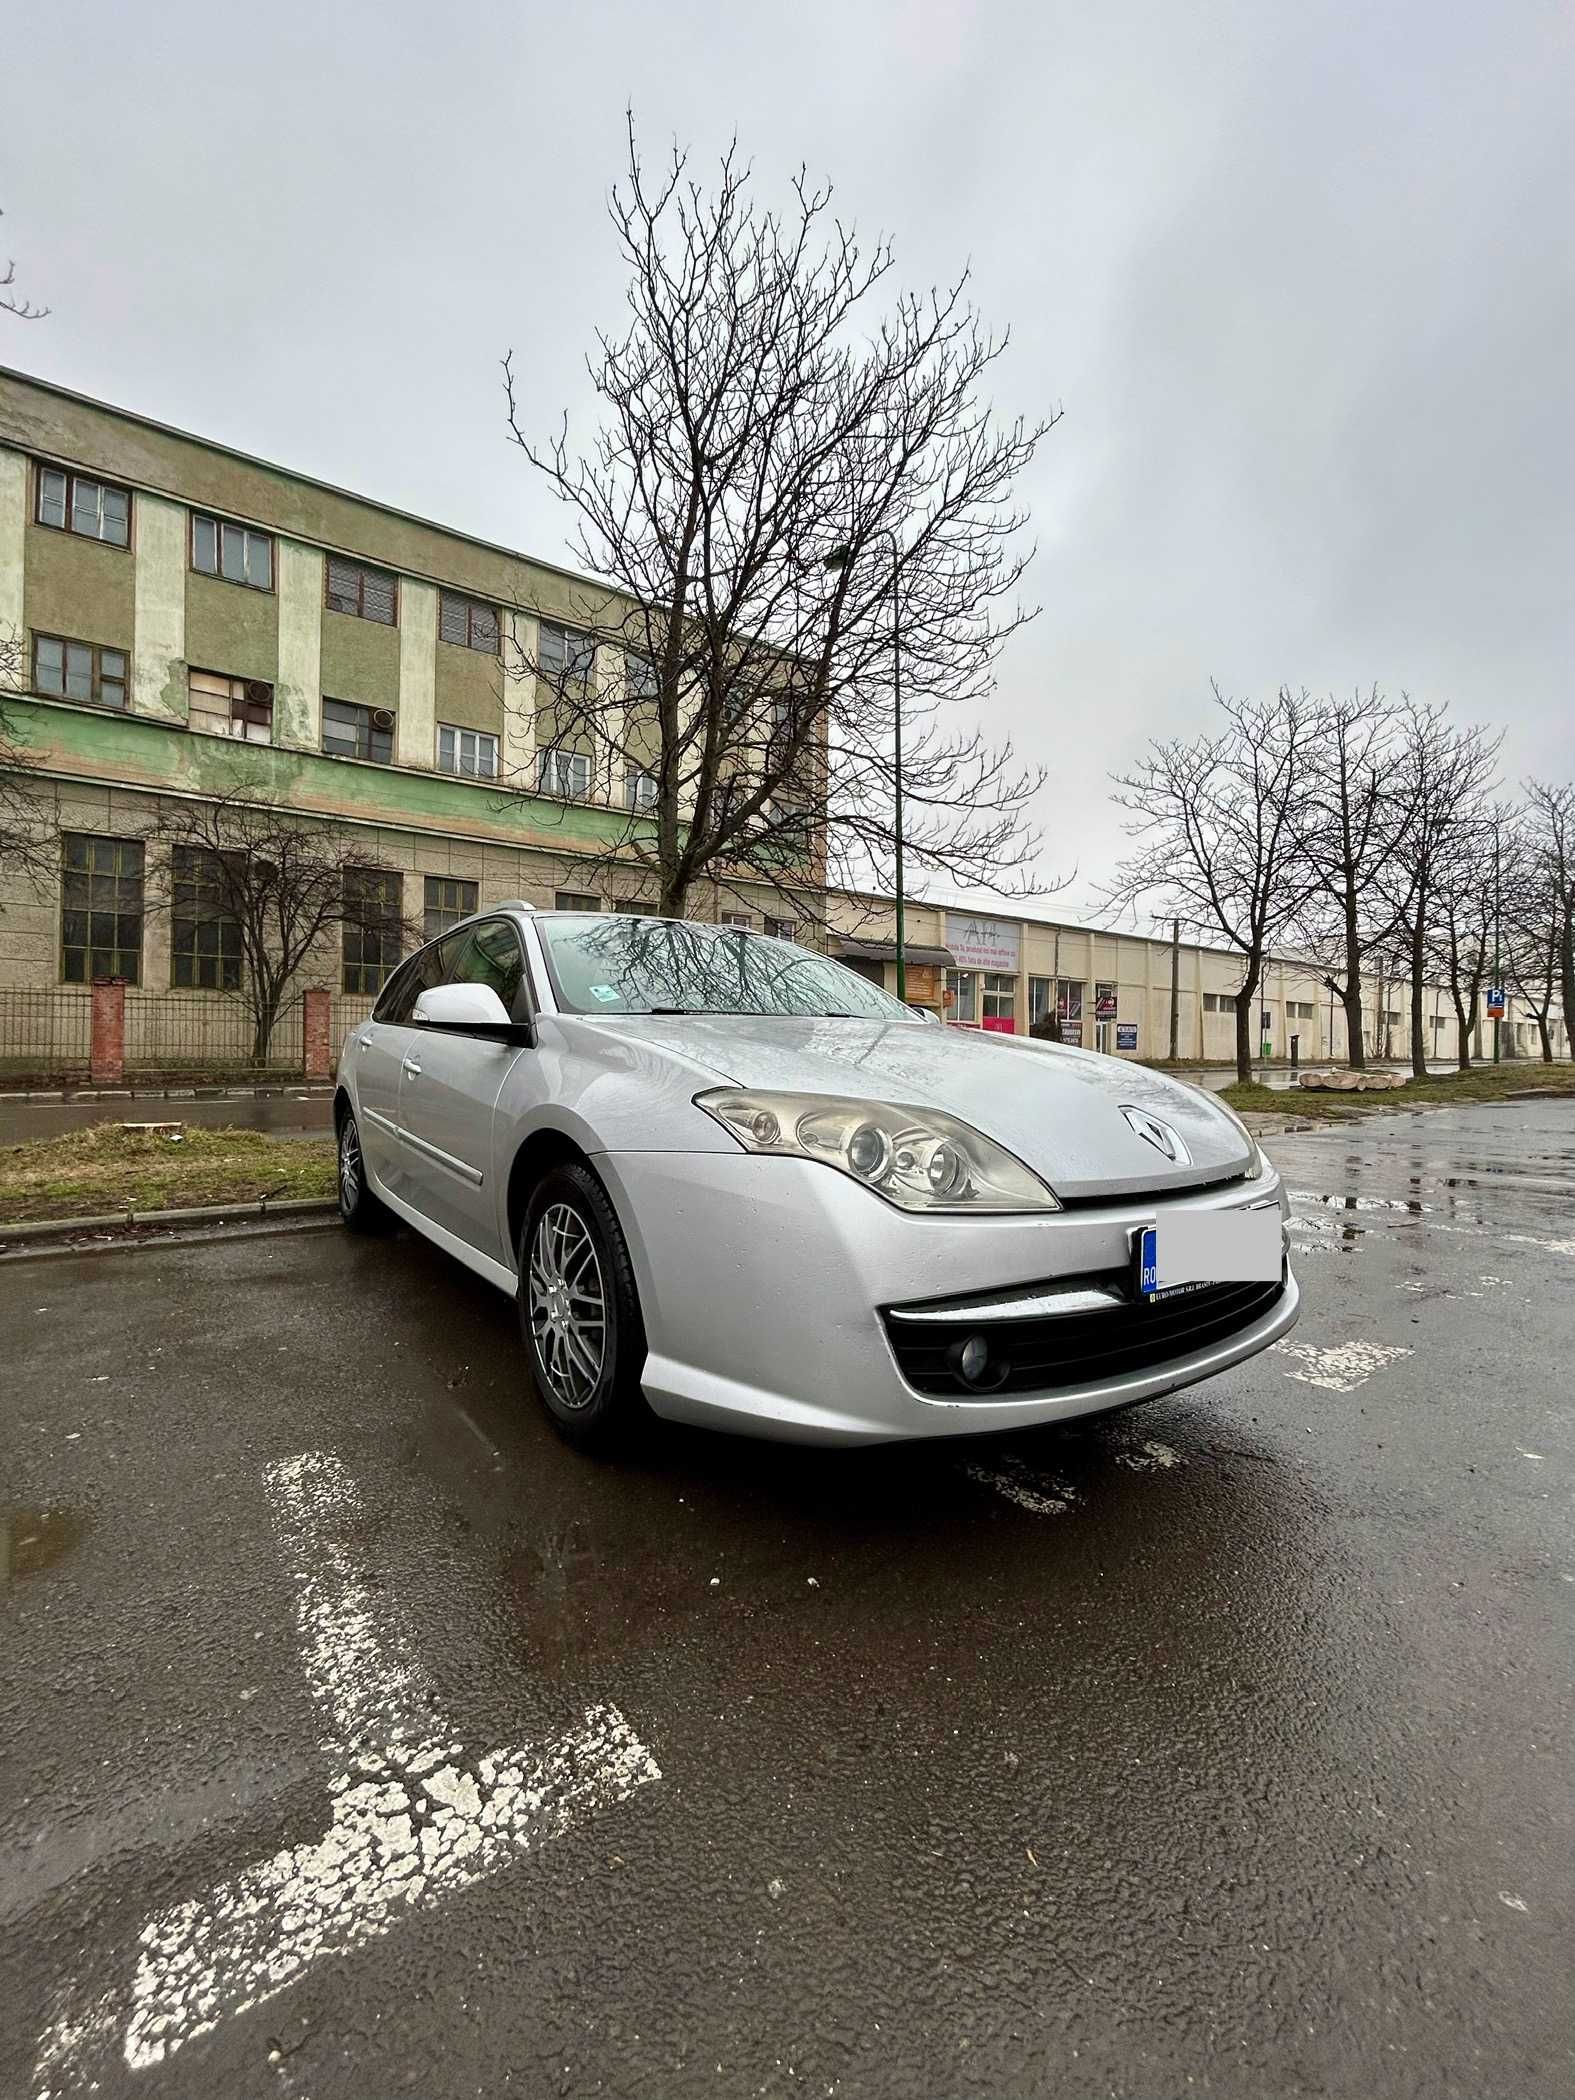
pixel 840 558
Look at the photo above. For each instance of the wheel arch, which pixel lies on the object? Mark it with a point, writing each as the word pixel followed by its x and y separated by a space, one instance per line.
pixel 547 1146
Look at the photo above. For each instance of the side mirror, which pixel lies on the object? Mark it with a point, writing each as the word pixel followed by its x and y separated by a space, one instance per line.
pixel 925 1013
pixel 469 1009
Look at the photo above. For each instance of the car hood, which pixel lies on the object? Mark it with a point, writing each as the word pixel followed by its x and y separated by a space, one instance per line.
pixel 1058 1109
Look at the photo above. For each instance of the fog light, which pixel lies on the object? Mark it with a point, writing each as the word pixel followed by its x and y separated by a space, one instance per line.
pixel 974 1360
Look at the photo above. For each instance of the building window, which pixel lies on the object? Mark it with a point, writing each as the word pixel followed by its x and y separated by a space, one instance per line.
pixel 94 510
pixel 233 552
pixel 468 623
pixel 1000 1001
pixel 565 773
pixel 101 914
pixel 1069 1009
pixel 367 594
pixel 353 731
pixel 576 900
pixel 782 929
pixel 205 941
pixel 962 1000
pixel 447 901
pixel 371 927
pixel 633 908
pixel 238 707
pixel 79 671
pixel 740 921
pixel 1219 1002
pixel 639 676
pixel 469 751
pixel 1038 999
pixel 1299 1009
pixel 565 656
pixel 639 788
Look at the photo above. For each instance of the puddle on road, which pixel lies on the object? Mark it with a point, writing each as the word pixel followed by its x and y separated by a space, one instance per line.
pixel 33 1539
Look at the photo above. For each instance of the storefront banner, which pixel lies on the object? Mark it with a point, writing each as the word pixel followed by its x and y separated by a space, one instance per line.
pixel 984 944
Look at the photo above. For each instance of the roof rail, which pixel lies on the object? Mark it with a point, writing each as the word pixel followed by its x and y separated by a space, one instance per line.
pixel 512 904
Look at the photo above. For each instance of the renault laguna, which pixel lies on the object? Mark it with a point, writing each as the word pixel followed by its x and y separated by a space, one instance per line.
pixel 728 1180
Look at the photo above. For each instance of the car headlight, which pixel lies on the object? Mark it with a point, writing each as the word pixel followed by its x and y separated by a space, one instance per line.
pixel 1256 1162
pixel 917 1158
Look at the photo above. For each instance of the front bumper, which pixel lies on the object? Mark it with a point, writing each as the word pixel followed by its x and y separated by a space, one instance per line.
pixel 761 1283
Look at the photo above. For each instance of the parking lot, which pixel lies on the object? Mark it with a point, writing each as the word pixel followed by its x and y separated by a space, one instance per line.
pixel 356 1737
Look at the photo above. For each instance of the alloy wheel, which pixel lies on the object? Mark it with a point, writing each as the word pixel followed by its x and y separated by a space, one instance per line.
pixel 349 1165
pixel 568 1305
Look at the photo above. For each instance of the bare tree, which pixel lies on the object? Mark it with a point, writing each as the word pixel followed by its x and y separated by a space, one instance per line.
pixel 1215 820
pixel 12 302
pixel 1354 821
pixel 793 493
pixel 1443 775
pixel 1532 928
pixel 29 842
pixel 1461 924
pixel 1550 813
pixel 245 860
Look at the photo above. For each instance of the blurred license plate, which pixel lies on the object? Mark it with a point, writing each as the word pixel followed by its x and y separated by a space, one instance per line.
pixel 1193 1249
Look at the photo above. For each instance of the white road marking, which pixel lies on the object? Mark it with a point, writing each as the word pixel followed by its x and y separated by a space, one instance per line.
pixel 1342 1367
pixel 1511 1902
pixel 1042 1494
pixel 1148 1457
pixel 411 1821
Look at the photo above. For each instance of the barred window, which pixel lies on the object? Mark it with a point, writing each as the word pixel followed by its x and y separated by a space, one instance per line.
pixel 234 552
pixel 93 510
pixel 446 902
pixel 371 928
pixel 468 623
pixel 470 751
pixel 367 594
pixel 101 908
pixel 205 940
pixel 79 670
pixel 565 656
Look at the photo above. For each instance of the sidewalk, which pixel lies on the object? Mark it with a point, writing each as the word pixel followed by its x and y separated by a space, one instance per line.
pixel 287 1111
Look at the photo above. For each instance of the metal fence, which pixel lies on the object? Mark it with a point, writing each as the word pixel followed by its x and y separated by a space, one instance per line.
pixel 203 1031
pixel 46 1031
pixel 46 1035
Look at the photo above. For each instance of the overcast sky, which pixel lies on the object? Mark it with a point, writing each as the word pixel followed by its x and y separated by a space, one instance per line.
pixel 1300 276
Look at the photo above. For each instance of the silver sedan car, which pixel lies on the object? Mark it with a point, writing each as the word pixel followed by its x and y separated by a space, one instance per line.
pixel 728 1180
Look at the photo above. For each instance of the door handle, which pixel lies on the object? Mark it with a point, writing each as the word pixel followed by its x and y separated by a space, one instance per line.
pixel 410 1068
pixel 365 1041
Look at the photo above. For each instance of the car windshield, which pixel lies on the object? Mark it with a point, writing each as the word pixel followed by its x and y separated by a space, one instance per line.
pixel 625 965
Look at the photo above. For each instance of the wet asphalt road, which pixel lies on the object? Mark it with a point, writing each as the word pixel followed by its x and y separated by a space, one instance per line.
pixel 1221 1749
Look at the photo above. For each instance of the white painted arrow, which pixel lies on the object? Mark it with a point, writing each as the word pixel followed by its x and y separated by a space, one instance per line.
pixel 412 1819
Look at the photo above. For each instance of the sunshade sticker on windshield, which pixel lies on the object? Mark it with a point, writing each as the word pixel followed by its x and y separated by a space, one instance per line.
pixel 607 994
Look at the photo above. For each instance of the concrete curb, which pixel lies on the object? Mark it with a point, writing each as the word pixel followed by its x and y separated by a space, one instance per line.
pixel 200 1214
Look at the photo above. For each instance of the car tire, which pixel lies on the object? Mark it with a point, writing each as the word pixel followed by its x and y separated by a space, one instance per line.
pixel 358 1207
pixel 575 1276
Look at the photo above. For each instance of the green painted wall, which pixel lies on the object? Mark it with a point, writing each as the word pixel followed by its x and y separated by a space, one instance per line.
pixel 469 688
pixel 132 751
pixel 231 630
pixel 360 660
pixel 78 587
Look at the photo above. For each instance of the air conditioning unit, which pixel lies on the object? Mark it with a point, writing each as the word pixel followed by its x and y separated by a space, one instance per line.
pixel 259 692
pixel 382 718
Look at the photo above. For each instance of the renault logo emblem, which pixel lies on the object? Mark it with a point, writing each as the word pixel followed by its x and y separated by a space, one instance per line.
pixel 1160 1135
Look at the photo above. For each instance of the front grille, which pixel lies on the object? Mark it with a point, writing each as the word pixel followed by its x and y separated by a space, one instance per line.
pixel 1047 1354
